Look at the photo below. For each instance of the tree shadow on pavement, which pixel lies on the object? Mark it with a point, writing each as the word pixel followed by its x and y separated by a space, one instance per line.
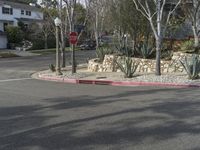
pixel 117 121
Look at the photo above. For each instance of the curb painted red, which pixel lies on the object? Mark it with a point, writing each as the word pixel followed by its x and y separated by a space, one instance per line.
pixel 74 81
pixel 115 83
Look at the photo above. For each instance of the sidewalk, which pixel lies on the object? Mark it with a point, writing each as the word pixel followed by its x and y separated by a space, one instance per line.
pixel 116 78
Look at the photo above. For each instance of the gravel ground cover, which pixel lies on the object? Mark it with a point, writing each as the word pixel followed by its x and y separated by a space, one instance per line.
pixel 118 76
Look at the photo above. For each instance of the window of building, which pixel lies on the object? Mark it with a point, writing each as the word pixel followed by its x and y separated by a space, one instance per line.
pixel 22 12
pixel 28 13
pixel 6 10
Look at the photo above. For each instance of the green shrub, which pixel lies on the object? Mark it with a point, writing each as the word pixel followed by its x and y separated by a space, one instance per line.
pixel 127 66
pixel 14 34
pixel 167 45
pixel 39 43
pixel 125 50
pixel 166 54
pixel 51 42
pixel 192 66
pixel 188 46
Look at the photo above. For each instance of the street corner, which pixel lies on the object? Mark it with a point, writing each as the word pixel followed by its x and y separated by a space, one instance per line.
pixel 111 78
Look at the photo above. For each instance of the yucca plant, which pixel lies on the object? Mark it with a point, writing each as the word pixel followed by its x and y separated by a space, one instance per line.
pixel 192 66
pixel 144 50
pixel 127 66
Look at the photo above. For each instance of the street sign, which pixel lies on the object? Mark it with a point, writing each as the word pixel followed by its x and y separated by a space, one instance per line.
pixel 73 38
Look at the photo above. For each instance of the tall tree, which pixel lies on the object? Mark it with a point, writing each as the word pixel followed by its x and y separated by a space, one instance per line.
pixel 70 17
pixel 98 10
pixel 63 30
pixel 125 19
pixel 156 9
pixel 192 12
pixel 48 27
pixel 50 13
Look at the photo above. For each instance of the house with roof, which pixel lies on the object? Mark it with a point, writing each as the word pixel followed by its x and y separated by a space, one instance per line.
pixel 11 13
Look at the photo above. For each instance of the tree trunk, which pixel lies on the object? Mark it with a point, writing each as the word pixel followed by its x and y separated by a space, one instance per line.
pixel 133 44
pixel 158 39
pixel 196 38
pixel 63 48
pixel 97 39
pixel 96 32
pixel 63 55
pixel 158 53
pixel 45 41
pixel 62 35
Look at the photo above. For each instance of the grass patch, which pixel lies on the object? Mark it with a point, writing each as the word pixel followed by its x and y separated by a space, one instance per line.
pixel 50 51
pixel 7 55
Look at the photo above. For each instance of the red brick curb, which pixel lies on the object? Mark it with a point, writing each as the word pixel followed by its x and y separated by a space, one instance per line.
pixel 115 83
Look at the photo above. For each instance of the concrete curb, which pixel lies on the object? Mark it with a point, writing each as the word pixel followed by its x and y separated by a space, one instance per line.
pixel 115 83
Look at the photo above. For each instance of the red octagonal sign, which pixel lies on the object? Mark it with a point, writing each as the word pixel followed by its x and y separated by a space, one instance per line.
pixel 73 38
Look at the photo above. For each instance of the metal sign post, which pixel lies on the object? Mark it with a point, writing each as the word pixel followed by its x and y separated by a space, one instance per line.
pixel 73 41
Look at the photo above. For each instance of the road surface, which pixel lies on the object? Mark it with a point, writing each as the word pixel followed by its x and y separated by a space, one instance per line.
pixel 42 115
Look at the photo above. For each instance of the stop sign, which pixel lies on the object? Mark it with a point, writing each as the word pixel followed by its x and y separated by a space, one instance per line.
pixel 73 38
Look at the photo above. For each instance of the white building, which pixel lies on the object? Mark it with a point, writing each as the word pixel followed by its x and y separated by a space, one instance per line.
pixel 11 13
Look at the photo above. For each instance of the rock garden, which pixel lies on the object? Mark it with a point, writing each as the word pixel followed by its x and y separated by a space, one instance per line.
pixel 124 64
pixel 178 65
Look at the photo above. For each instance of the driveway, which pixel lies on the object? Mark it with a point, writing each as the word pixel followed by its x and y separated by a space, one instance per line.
pixel 41 115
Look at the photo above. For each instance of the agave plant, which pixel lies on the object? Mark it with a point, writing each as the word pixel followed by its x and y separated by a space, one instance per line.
pixel 192 66
pixel 144 50
pixel 127 66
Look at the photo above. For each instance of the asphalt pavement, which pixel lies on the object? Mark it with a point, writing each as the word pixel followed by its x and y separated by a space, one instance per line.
pixel 22 67
pixel 42 115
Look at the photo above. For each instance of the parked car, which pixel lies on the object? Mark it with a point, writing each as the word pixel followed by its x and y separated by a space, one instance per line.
pixel 88 45
pixel 105 40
